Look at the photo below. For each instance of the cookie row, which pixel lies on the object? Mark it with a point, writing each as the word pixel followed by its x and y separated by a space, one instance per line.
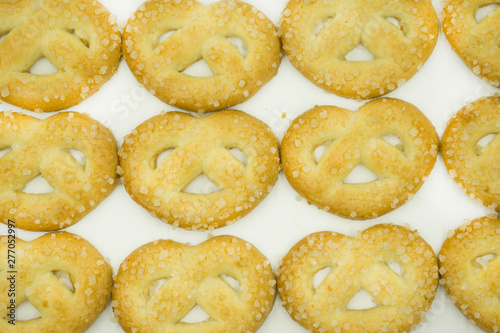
pixel 68 281
pixel 201 146
pixel 165 37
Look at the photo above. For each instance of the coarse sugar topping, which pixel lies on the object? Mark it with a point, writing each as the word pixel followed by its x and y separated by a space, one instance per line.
pixel 240 46
pixel 391 263
pixel 226 276
pixel 79 38
pixel 322 38
pixel 470 270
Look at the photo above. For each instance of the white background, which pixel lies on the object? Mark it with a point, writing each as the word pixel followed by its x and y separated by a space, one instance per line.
pixel 119 225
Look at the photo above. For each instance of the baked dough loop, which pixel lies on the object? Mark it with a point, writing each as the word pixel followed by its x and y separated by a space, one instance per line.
pixel 44 148
pixel 475 42
pixel 359 263
pixel 201 32
pixel 161 282
pixel 200 146
pixel 470 270
pixel 475 168
pixel 319 35
pixel 79 37
pixel 358 138
pixel 62 275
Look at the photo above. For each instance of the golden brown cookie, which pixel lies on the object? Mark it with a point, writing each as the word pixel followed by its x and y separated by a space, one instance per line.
pixel 358 138
pixel 79 37
pixel 361 262
pixel 470 271
pixel 44 148
pixel 200 146
pixel 317 36
pixel 62 275
pixel 476 169
pixel 194 275
pixel 201 32
pixel 475 42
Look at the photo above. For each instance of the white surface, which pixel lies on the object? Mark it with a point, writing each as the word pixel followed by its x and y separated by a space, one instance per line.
pixel 119 225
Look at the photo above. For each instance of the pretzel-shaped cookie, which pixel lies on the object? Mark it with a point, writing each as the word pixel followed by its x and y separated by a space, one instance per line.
pixel 40 269
pixel 475 42
pixel 201 32
pixel 359 263
pixel 200 147
pixel 356 138
pixel 194 277
pixel 43 147
pixel 79 37
pixel 317 36
pixel 476 169
pixel 472 282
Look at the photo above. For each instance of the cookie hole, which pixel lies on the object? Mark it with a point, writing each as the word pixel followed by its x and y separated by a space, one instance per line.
pixel 360 175
pixel 482 261
pixel 320 151
pixel 240 45
pixel 65 279
pixel 320 24
pixel 394 140
pixel 165 36
pixel 196 315
pixel 43 66
pixel 37 185
pixel 359 53
pixel 231 281
pixel 162 156
pixel 153 287
pixel 485 141
pixel 395 267
pixel 361 301
pixel 394 21
pixel 198 69
pixel 78 34
pixel 26 311
pixel 201 185
pixel 4 151
pixel 3 35
pixel 320 276
pixel 238 154
pixel 484 11
pixel 77 155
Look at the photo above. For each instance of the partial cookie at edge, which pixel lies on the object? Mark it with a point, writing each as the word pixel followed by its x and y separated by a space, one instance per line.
pixel 318 35
pixel 476 169
pixel 159 283
pixel 43 148
pixel 62 275
pixel 79 37
pixel 476 43
pixel 469 277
